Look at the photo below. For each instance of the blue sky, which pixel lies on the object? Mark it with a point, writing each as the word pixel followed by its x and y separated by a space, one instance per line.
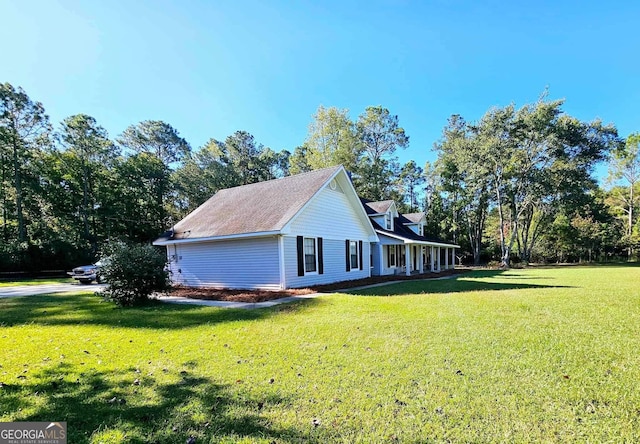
pixel 210 68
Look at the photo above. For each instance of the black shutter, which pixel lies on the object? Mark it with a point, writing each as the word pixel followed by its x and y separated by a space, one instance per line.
pixel 346 244
pixel 300 245
pixel 320 257
pixel 360 252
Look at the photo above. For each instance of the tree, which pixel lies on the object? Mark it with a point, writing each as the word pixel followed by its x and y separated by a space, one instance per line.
pixel 88 150
pixel 203 173
pixel 410 178
pixel 238 160
pixel 155 137
pixel 5 180
pixel 162 141
pixel 274 164
pixel 299 161
pixel 625 166
pixel 132 198
pixel 538 156
pixel 466 181
pixel 532 161
pixel 332 140
pixel 380 135
pixel 249 161
pixel 25 128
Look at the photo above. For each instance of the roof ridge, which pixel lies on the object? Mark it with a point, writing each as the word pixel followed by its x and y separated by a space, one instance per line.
pixel 254 208
pixel 298 175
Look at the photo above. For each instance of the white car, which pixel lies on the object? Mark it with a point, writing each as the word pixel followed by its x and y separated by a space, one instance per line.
pixel 87 273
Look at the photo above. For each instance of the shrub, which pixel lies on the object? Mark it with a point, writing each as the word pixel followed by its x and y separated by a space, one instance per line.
pixel 133 273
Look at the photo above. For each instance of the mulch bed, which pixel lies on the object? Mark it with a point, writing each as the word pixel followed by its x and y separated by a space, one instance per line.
pixel 217 294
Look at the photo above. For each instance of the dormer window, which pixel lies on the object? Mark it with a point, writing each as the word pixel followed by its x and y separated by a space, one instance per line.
pixel 387 221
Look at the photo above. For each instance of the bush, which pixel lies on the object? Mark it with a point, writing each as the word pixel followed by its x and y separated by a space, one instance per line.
pixel 133 273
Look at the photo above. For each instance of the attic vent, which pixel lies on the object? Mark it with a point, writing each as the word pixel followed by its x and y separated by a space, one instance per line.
pixel 333 185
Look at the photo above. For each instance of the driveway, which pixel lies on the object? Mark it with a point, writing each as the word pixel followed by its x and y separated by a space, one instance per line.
pixel 31 290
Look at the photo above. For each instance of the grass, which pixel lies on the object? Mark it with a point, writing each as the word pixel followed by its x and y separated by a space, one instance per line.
pixel 535 355
pixel 40 281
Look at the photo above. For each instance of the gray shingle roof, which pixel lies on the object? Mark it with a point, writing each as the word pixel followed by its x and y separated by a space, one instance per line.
pixel 407 233
pixel 259 207
pixel 376 207
pixel 413 218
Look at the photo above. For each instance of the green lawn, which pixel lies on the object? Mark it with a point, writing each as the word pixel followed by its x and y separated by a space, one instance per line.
pixel 536 355
pixel 42 281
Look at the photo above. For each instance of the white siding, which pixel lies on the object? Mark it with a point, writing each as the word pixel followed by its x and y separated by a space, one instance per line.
pixel 330 215
pixel 334 263
pixel 240 263
pixel 379 220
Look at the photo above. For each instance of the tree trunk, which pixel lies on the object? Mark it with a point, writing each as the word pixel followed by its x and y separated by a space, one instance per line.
pixel 506 258
pixel 502 239
pixel 85 201
pixel 630 222
pixel 473 241
pixel 5 235
pixel 22 231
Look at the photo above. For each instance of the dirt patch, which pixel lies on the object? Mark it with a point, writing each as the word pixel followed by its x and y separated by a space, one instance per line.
pixel 218 294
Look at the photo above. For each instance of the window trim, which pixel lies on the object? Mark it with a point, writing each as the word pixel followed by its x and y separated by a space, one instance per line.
pixel 353 267
pixel 315 255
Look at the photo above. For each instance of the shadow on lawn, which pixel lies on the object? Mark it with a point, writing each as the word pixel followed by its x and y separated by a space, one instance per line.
pixel 85 309
pixel 146 411
pixel 459 284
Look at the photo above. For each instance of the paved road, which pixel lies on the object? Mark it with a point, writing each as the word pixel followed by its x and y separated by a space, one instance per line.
pixel 30 290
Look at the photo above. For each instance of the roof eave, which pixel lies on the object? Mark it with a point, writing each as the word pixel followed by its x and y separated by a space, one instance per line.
pixel 217 238
pixel 406 240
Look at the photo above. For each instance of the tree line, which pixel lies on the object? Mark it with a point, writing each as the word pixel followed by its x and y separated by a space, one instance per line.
pixel 518 184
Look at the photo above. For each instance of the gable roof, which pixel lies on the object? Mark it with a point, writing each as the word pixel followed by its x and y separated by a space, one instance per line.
pixel 255 208
pixel 412 218
pixel 376 207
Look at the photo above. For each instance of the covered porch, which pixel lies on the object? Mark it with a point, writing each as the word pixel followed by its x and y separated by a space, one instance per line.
pixel 395 255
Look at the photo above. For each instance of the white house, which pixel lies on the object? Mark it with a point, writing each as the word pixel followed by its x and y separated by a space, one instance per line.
pixel 292 232
pixel 402 246
pixel 298 231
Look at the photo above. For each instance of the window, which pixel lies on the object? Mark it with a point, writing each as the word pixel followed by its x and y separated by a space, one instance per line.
pixel 387 221
pixel 391 255
pixel 353 254
pixel 310 263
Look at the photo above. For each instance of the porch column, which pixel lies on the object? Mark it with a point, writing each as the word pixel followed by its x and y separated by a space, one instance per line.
pixel 439 259
pixel 446 258
pixel 453 258
pixel 420 260
pixel 407 259
pixel 380 258
pixel 431 254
